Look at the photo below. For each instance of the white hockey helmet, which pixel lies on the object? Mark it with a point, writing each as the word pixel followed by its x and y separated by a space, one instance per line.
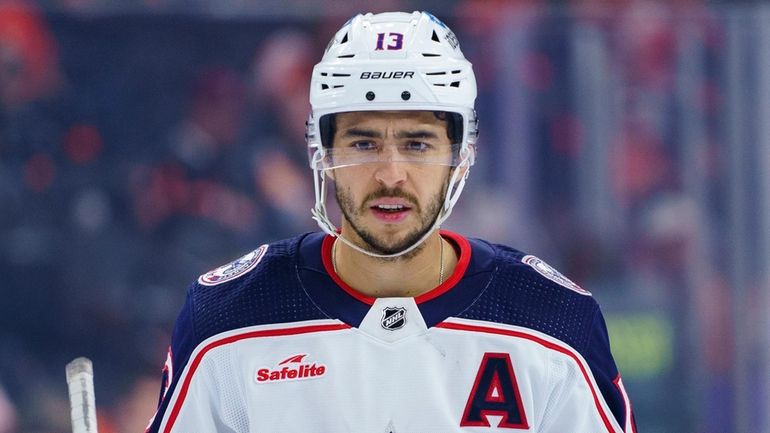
pixel 392 61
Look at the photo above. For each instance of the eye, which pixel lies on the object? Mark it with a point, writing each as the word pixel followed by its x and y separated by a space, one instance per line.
pixel 417 146
pixel 364 145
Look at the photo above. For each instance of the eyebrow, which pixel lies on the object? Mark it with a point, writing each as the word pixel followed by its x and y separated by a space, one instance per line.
pixel 371 133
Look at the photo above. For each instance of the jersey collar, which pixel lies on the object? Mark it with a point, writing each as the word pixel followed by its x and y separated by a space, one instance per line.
pixel 457 241
pixel 338 300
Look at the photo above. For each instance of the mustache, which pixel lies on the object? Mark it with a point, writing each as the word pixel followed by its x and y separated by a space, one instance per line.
pixel 392 192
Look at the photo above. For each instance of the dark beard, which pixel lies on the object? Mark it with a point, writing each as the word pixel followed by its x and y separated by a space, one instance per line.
pixel 375 245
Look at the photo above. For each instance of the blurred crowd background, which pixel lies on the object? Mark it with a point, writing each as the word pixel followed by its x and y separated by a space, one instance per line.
pixel 144 142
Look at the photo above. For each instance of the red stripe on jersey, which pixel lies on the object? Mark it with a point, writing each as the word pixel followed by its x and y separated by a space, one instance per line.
pixel 462 265
pixel 459 272
pixel 629 426
pixel 326 258
pixel 542 342
pixel 232 339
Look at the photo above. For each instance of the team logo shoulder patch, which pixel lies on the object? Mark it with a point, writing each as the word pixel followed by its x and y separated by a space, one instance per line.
pixel 552 274
pixel 233 269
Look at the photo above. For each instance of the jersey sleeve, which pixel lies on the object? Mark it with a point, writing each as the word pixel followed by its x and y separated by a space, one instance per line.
pixel 600 387
pixel 605 372
pixel 198 393
pixel 183 340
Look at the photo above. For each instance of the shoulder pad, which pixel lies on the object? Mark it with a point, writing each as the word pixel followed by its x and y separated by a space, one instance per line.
pixel 234 269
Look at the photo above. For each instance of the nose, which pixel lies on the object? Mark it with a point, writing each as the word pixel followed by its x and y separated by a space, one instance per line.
pixel 390 172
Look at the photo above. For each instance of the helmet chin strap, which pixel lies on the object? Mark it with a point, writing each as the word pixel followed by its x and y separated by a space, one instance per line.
pixel 454 188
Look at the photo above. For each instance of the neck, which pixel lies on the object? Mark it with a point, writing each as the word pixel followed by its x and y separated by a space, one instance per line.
pixel 402 276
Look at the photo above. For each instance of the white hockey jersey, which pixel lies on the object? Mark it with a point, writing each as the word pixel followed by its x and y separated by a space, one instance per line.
pixel 275 342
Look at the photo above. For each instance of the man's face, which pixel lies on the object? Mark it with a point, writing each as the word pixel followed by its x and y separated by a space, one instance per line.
pixel 389 204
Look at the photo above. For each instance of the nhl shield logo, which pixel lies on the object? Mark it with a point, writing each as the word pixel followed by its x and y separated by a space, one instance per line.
pixel 393 318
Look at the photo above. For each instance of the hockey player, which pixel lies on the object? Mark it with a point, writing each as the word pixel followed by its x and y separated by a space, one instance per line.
pixel 388 324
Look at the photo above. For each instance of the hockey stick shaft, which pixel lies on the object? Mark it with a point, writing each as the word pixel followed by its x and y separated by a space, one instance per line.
pixel 80 382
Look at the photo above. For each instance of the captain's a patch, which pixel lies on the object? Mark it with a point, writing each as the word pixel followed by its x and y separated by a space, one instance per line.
pixel 233 269
pixel 552 274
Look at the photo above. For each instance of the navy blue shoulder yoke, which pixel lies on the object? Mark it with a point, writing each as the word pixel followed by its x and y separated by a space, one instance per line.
pixel 268 293
pixel 519 294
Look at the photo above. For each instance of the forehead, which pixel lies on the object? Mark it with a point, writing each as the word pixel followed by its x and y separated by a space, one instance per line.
pixel 405 119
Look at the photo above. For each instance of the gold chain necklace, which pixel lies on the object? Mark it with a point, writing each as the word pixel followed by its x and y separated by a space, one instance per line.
pixel 334 257
pixel 440 263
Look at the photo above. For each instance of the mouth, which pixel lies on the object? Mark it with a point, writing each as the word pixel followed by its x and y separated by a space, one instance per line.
pixel 390 208
pixel 390 212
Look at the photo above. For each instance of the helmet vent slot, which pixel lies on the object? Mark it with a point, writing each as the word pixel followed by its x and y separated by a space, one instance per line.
pixel 346 56
pixel 455 84
pixel 324 86
pixel 344 39
pixel 431 55
pixel 434 37
pixel 340 75
pixel 456 72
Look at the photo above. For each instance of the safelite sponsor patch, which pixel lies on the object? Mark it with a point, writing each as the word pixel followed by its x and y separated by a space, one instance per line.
pixel 291 369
